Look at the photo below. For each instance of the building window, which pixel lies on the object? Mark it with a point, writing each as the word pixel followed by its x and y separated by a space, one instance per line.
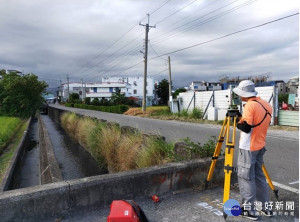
pixel 110 89
pixel 95 89
pixel 134 91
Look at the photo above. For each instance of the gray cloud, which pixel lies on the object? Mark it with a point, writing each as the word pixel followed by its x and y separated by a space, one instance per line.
pixel 54 39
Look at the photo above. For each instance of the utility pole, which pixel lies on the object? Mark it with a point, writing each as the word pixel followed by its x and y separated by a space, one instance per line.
pixel 68 88
pixel 145 63
pixel 82 90
pixel 170 81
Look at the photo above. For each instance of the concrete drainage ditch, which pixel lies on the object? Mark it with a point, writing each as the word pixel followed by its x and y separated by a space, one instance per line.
pixel 51 200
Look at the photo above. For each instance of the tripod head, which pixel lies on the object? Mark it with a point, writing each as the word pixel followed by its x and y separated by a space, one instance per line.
pixel 234 102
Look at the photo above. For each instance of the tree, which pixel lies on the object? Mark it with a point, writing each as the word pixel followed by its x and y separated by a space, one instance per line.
pixel 176 93
pixel 118 99
pixel 162 91
pixel 74 98
pixel 20 95
pixel 87 100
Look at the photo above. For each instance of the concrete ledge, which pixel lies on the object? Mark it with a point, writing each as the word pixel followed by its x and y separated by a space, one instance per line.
pixel 7 180
pixel 49 168
pixel 57 199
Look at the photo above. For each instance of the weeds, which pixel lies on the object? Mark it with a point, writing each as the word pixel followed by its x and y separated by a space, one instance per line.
pixel 8 127
pixel 207 150
pixel 119 151
pixel 114 150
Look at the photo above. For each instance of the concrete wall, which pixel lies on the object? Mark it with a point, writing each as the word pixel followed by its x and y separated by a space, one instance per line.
pixel 15 162
pixel 49 168
pixel 53 200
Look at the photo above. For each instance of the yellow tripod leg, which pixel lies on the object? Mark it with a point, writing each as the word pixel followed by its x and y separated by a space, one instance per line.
pixel 228 165
pixel 216 153
pixel 269 181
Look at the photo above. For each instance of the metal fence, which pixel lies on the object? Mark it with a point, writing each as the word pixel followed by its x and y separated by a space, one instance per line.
pixel 220 100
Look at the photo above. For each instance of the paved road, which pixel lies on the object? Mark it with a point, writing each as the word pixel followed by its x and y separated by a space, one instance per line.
pixel 282 159
pixel 192 206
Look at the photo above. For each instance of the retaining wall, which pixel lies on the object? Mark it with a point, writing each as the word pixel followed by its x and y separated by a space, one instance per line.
pixel 15 163
pixel 54 200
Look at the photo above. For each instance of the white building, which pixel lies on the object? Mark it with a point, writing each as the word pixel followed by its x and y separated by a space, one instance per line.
pixel 137 87
pixel 93 90
pixel 129 86
pixel 204 86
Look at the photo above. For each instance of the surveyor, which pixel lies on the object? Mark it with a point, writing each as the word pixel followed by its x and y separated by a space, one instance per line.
pixel 253 124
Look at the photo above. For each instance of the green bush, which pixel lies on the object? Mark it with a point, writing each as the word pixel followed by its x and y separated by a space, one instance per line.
pixel 87 100
pixel 283 98
pixel 74 98
pixel 69 104
pixel 207 150
pixel 111 109
pixel 8 126
pixel 197 113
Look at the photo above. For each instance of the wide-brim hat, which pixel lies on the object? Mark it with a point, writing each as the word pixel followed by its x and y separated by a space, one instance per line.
pixel 246 88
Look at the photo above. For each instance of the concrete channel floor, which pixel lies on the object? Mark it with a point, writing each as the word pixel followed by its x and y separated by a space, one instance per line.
pixel 188 205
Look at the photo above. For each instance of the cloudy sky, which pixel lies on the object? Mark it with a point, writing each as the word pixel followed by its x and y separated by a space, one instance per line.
pixel 91 39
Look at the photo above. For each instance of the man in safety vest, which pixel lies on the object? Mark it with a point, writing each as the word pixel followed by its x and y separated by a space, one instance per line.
pixel 253 124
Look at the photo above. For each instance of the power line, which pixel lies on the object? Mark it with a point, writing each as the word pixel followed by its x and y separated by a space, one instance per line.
pixel 151 13
pixel 156 52
pixel 233 33
pixel 175 12
pixel 159 72
pixel 195 20
pixel 97 56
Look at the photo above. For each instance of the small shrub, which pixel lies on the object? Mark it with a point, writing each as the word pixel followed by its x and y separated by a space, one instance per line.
pixel 87 100
pixel 183 113
pixel 197 113
pixel 154 152
pixel 207 150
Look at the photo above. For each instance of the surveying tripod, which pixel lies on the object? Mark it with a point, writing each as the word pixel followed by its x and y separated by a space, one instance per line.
pixel 232 114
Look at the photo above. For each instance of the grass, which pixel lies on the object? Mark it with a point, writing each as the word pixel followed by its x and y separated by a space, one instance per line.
pixel 9 151
pixel 194 116
pixel 8 126
pixel 115 150
pixel 137 111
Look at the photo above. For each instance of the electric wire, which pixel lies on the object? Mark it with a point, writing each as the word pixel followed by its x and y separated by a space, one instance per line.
pixel 103 60
pixel 175 12
pixel 209 19
pixel 160 38
pixel 159 73
pixel 156 52
pixel 225 36
pixel 115 42
pixel 151 13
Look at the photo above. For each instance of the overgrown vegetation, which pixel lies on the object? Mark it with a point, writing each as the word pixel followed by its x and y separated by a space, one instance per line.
pixel 117 98
pixel 112 109
pixel 20 96
pixel 11 147
pixel 8 127
pixel 283 98
pixel 121 151
pixel 163 112
pixel 113 149
pixel 200 151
